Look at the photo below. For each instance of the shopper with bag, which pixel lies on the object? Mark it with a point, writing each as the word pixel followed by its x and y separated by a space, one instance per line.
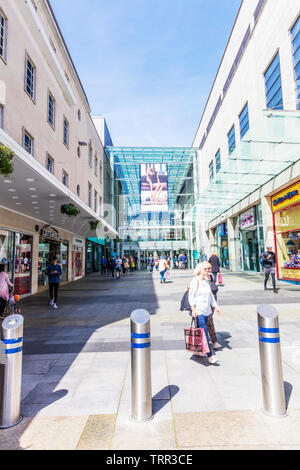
pixel 210 321
pixel 215 265
pixel 202 301
pixel 4 285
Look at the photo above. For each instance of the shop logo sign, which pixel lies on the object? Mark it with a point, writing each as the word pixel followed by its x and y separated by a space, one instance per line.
pixel 247 220
pixel 50 232
pixel 287 196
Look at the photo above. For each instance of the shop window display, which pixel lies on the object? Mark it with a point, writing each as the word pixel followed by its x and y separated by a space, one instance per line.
pixel 287 225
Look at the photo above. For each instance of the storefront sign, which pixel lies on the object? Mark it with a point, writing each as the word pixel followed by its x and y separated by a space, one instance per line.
pixel 77 242
pixel 50 232
pixel 247 219
pixel 286 197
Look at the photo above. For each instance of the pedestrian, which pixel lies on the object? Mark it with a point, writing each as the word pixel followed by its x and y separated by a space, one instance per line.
pixel 175 260
pixel 156 263
pixel 125 264
pixel 162 266
pixel 215 265
pixel 118 264
pixel 182 261
pixel 202 300
pixel 210 321
pixel 54 272
pixel 185 304
pixel 111 266
pixel 150 263
pixel 269 263
pixel 4 285
pixel 131 265
pixel 103 265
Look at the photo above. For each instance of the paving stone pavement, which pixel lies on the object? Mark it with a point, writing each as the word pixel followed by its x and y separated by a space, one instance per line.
pixel 76 383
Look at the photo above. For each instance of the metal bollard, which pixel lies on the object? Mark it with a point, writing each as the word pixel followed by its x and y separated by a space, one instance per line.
pixel 270 361
pixel 141 388
pixel 11 371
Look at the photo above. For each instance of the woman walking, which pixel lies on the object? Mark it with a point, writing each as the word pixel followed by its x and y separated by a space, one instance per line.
pixel 215 265
pixel 54 271
pixel 4 285
pixel 202 300
pixel 210 321
pixel 131 265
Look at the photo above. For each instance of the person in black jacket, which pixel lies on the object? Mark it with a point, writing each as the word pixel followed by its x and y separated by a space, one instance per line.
pixel 269 264
pixel 215 265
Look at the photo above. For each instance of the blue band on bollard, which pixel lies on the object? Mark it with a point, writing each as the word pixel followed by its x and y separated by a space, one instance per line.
pixel 13 351
pixel 140 345
pixel 268 330
pixel 12 341
pixel 269 340
pixel 140 335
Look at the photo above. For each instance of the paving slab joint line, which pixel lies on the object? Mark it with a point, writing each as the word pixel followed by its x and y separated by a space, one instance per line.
pixel 114 426
pixel 170 392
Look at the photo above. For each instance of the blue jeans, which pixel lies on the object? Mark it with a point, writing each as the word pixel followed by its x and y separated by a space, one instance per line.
pixel 162 275
pixel 202 320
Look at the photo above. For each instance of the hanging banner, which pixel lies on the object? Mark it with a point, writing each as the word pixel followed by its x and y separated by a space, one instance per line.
pixel 154 187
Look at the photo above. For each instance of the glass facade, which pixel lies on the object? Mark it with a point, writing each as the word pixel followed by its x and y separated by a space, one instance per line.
pixel 295 33
pixel 16 255
pixel 49 248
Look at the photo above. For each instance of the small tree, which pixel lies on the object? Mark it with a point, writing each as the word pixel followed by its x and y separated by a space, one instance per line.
pixel 6 164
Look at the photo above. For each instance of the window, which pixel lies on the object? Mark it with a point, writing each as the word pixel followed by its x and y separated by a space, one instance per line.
pixel 218 160
pixel 3 35
pixel 211 171
pixel 295 33
pixel 78 151
pixel 66 132
pixel 65 178
pixel 79 115
pixel 96 165
pixel 100 206
pixel 1 116
pixel 90 195
pixel 78 190
pixel 51 110
pixel 30 80
pixel 100 172
pixel 273 84
pixel 90 154
pixel 231 140
pixel 95 200
pixel 50 164
pixel 28 142
pixel 244 121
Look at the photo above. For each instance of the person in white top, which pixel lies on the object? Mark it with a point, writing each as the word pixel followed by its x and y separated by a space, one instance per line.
pixel 202 300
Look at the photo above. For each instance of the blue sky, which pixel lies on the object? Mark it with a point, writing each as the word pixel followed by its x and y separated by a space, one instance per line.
pixel 147 65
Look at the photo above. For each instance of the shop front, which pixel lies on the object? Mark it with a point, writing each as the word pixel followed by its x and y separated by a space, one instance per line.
pixel 16 255
pixel 222 245
pixel 286 219
pixel 94 252
pixel 251 239
pixel 51 245
pixel 77 258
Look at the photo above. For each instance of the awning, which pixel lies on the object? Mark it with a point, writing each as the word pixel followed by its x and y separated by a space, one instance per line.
pixel 271 145
pixel 32 191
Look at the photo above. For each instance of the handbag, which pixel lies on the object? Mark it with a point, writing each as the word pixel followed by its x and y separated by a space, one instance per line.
pixel 195 339
pixel 220 280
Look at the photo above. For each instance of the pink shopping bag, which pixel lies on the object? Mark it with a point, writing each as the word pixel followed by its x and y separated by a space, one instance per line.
pixel 195 339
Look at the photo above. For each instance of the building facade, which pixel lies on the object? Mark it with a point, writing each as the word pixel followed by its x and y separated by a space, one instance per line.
pixel 248 143
pixel 58 158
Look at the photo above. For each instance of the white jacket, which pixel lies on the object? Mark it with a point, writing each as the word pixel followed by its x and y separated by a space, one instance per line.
pixel 201 297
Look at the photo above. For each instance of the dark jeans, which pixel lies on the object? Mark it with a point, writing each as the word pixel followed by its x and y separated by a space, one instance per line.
pixel 103 269
pixel 269 271
pixel 2 306
pixel 53 291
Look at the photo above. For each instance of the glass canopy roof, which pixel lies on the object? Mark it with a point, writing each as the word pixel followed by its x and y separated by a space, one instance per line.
pixel 126 162
pixel 270 146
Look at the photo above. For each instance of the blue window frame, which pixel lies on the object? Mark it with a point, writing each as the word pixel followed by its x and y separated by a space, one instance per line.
pixel 231 140
pixel 295 33
pixel 244 121
pixel 218 161
pixel 273 85
pixel 211 171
